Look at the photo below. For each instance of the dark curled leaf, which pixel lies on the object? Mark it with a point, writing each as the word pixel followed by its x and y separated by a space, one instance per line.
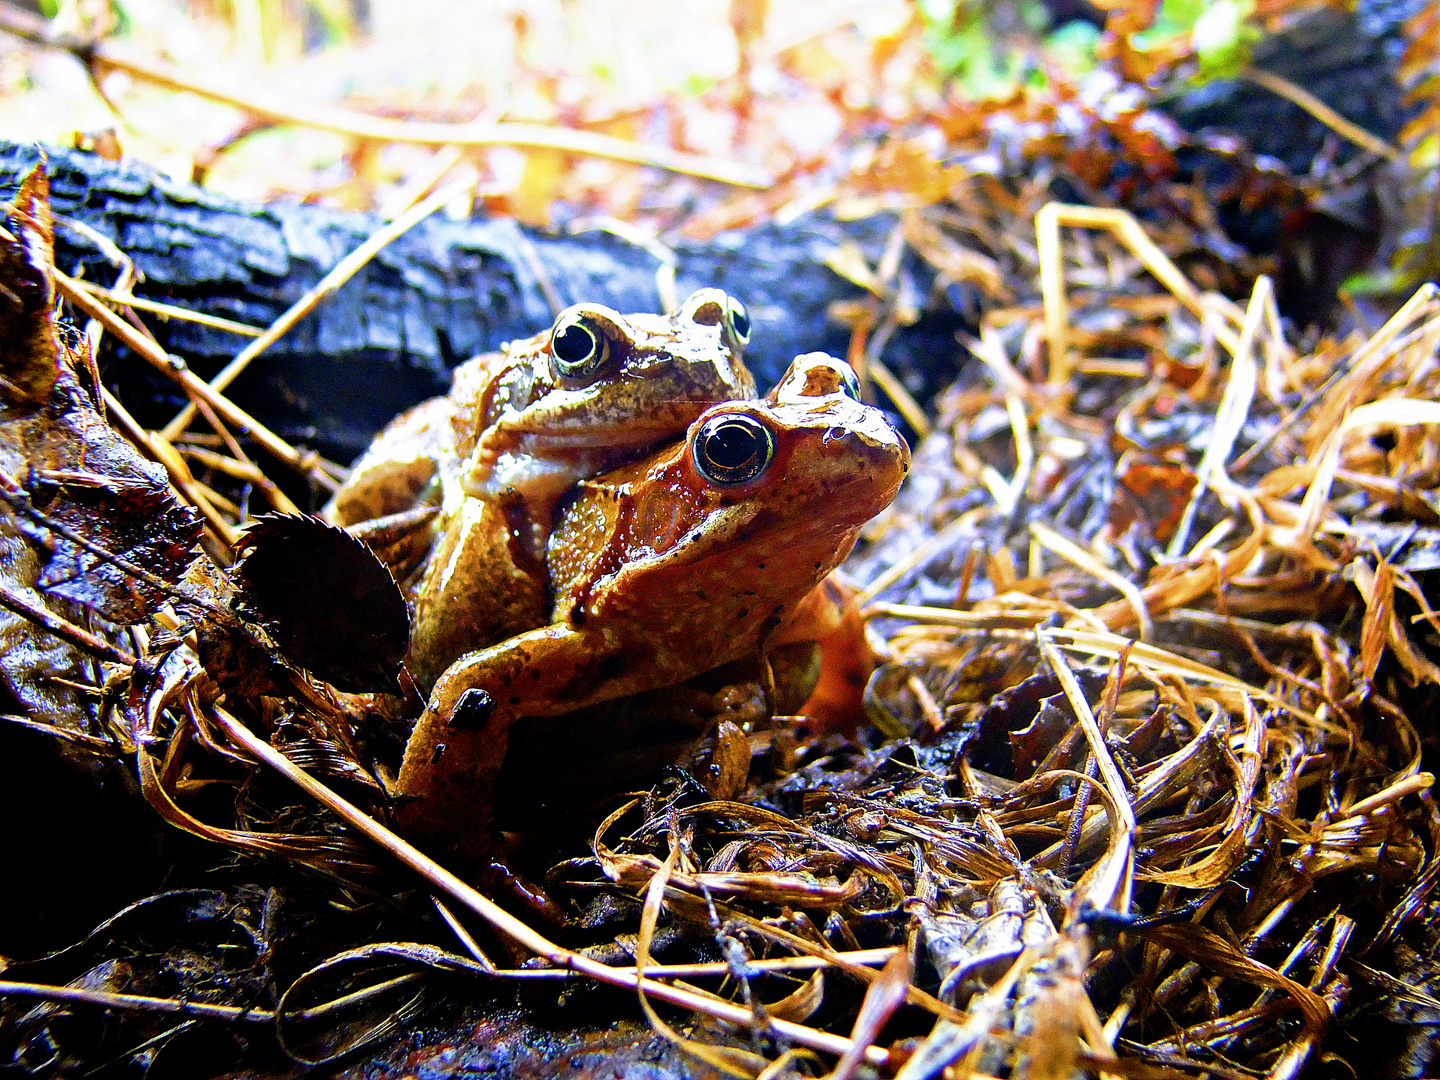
pixel 359 996
pixel 1020 725
pixel 142 926
pixel 134 517
pixel 327 601
pixel 326 758
pixel 27 318
pixel 86 496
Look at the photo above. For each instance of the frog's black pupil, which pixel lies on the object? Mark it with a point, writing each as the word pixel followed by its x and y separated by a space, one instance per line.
pixel 740 320
pixel 732 445
pixel 574 344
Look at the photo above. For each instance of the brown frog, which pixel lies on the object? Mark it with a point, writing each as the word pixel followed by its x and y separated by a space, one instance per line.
pixel 516 432
pixel 704 553
pixel 548 410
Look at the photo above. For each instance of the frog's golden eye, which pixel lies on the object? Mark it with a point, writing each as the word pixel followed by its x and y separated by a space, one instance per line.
pixel 577 348
pixel 732 448
pixel 849 382
pixel 737 322
pixel 714 307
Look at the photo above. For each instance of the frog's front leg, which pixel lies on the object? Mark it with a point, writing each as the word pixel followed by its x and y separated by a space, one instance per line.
pixel 392 474
pixel 477 587
pixel 455 753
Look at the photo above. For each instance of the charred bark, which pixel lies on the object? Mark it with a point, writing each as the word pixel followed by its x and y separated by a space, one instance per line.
pixel 439 294
pixel 448 290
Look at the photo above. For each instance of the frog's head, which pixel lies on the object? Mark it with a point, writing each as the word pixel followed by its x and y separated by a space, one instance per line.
pixel 760 502
pixel 601 387
pixel 600 376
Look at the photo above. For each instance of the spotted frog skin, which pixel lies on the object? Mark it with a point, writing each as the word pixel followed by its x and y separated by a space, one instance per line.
pixel 516 432
pixel 702 554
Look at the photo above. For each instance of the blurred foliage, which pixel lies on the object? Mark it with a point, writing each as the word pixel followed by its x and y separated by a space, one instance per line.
pixel 985 48
pixel 804 94
pixel 285 29
pixel 1221 32
pixel 1418 258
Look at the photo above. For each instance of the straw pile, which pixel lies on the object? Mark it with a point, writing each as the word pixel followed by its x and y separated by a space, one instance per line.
pixel 1143 794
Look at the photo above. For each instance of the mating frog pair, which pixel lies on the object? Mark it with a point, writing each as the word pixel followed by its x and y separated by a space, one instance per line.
pixel 518 429
pixel 708 551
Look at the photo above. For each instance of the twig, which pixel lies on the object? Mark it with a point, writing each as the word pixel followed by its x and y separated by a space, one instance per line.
pixel 1297 95
pixel 244 470
pixel 94 743
pixel 899 396
pixel 1289 419
pixel 382 129
pixel 169 311
pixel 1072 552
pixel 174 367
pixel 180 477
pixel 1116 887
pixel 1230 415
pixel 508 924
pixel 135 1002
pixel 62 628
pixel 717 968
pixel 1132 235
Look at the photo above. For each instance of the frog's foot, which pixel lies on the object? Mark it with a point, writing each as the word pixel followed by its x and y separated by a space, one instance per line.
pixel 453 759
pixel 831 616
pixel 448 775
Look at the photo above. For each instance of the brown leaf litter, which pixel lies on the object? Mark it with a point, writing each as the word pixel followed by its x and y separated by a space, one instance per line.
pixel 1157 660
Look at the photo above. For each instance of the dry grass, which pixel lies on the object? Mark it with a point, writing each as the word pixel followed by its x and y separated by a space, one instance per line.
pixel 1158 664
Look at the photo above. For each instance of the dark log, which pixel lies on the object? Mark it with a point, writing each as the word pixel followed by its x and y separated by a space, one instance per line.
pixel 1346 58
pixel 447 290
pixel 439 294
pixel 1349 59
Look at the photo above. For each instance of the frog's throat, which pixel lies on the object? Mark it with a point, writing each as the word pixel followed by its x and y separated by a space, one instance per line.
pixel 728 534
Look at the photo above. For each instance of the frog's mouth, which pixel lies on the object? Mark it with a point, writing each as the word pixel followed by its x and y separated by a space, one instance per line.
pixel 587 429
pixel 556 441
pixel 540 465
